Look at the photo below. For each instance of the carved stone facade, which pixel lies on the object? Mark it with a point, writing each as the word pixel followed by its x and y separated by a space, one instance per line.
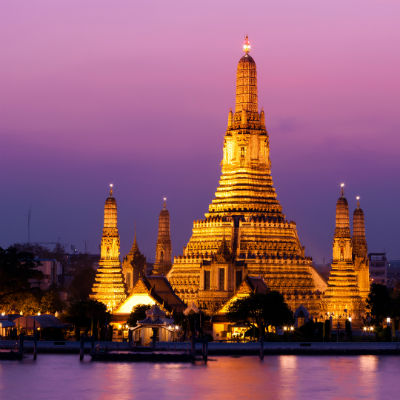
pixel 246 214
pixel 109 287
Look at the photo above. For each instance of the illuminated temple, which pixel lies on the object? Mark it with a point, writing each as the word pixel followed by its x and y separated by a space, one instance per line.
pixel 245 233
pixel 109 287
pixel 348 283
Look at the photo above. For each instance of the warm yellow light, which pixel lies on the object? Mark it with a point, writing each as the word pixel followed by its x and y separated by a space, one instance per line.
pixel 246 45
pixel 358 198
pixel 38 313
pixel 365 328
pixel 292 328
pixel 111 185
pixel 349 319
pixel 342 185
pixel 388 320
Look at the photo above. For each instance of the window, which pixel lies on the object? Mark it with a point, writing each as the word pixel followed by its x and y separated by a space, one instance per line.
pixel 206 280
pixel 221 279
pixel 238 278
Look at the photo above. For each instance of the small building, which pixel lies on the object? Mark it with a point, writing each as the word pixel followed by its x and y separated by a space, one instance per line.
pixel 48 326
pixel 378 268
pixel 151 290
pixel 156 327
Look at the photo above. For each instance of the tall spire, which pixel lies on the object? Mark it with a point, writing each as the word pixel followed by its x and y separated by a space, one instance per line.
pixel 359 241
pixel 163 248
pixel 342 229
pixel 246 82
pixel 108 287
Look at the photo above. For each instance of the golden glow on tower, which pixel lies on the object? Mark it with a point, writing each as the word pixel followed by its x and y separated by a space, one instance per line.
pixel 342 298
pixel 109 287
pixel 246 215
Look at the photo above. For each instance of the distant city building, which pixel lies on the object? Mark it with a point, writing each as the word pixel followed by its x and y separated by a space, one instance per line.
pixel 393 274
pixel 52 271
pixel 378 266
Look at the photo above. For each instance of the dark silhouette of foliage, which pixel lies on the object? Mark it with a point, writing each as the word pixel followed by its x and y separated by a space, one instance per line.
pixel 137 314
pixel 17 268
pixel 380 303
pixel 87 315
pixel 261 310
pixel 51 302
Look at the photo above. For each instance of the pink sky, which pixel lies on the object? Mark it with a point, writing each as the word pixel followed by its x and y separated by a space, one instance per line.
pixel 138 93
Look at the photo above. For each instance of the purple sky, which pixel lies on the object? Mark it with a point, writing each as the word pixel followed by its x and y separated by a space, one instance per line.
pixel 138 93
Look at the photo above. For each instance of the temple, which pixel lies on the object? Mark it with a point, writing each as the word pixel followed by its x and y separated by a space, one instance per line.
pixel 133 266
pixel 163 261
pixel 109 287
pixel 346 292
pixel 244 233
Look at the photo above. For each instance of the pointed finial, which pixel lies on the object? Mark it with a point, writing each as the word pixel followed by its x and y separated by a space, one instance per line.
pixel 262 118
pixel 164 203
pixel 111 189
pixel 246 45
pixel 342 189
pixel 358 201
pixel 230 118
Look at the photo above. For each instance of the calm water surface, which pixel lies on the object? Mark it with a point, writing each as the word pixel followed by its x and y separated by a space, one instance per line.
pixel 277 377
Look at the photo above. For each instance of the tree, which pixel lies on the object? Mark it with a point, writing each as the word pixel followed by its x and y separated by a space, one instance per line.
pixel 261 310
pixel 81 284
pixel 51 302
pixel 137 314
pixel 17 269
pixel 380 303
pixel 89 315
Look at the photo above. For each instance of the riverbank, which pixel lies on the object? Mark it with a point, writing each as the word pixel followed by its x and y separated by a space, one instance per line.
pixel 222 349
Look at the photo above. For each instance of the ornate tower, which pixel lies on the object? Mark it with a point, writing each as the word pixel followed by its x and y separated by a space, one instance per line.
pixel 133 266
pixel 246 214
pixel 163 248
pixel 109 283
pixel 342 297
pixel 360 250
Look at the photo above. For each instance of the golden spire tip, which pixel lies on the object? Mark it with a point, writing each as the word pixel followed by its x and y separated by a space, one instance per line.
pixel 111 188
pixel 246 45
pixel 342 189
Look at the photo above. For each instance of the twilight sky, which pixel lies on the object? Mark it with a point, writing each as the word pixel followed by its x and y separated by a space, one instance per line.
pixel 138 94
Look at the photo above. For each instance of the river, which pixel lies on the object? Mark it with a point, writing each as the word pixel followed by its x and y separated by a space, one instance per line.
pixel 59 377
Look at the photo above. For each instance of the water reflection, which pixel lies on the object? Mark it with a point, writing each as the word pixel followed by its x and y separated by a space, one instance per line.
pixel 59 377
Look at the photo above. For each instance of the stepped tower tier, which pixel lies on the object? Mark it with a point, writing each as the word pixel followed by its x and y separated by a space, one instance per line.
pixel 163 261
pixel 342 298
pixel 246 213
pixel 109 287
